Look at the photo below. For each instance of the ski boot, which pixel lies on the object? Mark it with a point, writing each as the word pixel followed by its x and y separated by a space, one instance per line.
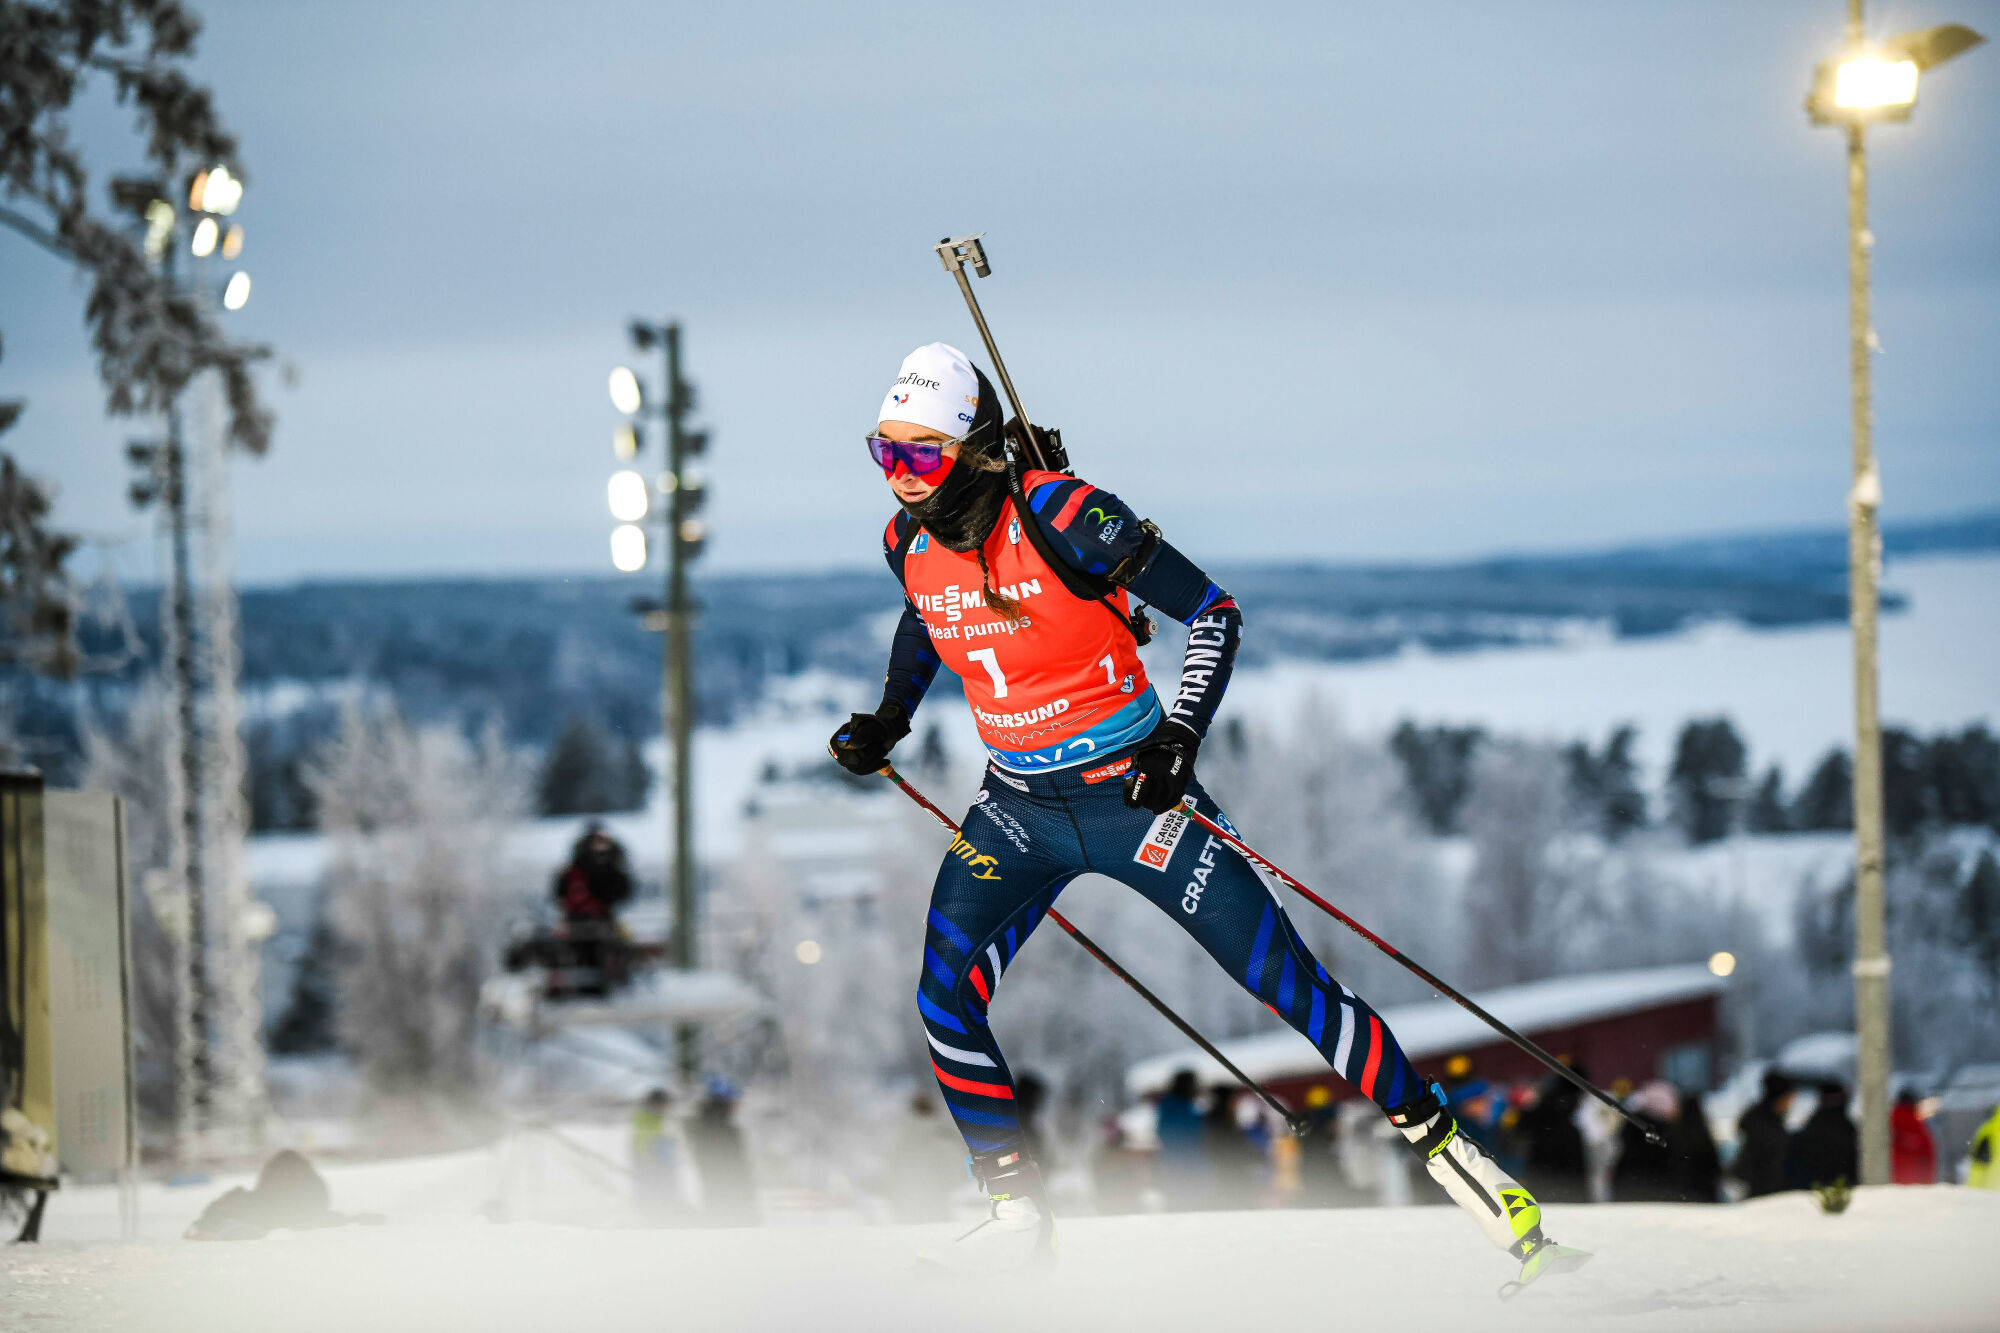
pixel 1506 1212
pixel 1018 1235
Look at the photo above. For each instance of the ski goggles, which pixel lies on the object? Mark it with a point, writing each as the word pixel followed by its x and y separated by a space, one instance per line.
pixel 926 462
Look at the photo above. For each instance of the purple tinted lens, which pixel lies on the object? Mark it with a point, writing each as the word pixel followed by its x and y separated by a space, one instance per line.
pixel 921 458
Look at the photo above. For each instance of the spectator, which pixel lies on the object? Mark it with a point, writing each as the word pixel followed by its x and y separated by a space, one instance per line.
pixel 1600 1127
pixel 1185 1174
pixel 288 1195
pixel 656 1157
pixel 1030 1094
pixel 1122 1174
pixel 1648 1172
pixel 1761 1138
pixel 1554 1145
pixel 1912 1152
pixel 589 891
pixel 1984 1173
pixel 1700 1166
pixel 1472 1101
pixel 1321 1184
pixel 728 1198
pixel 1237 1157
pixel 1827 1149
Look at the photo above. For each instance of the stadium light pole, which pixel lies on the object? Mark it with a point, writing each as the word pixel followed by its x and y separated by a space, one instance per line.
pixel 1870 83
pixel 682 492
pixel 184 245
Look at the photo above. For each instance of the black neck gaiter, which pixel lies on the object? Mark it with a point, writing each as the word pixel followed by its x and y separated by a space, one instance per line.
pixel 961 513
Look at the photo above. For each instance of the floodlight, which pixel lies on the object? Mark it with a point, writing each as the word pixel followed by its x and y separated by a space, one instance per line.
pixel 628 547
pixel 220 191
pixel 625 441
pixel 628 496
pixel 159 227
pixel 1722 963
pixel 625 394
pixel 203 244
pixel 1869 82
pixel 1878 81
pixel 232 241
pixel 237 292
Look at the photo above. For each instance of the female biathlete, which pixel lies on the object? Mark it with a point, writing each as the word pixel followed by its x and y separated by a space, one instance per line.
pixel 1027 593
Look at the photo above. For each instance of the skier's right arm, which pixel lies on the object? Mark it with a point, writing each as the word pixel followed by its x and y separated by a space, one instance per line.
pixel 861 744
pixel 913 664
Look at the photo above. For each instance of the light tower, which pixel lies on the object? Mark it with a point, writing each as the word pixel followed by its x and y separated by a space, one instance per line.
pixel 1870 83
pixel 682 490
pixel 218 928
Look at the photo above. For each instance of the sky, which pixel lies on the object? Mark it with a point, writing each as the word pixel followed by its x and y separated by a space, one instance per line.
pixel 1314 281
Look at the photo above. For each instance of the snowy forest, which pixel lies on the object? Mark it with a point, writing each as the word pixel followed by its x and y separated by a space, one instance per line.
pixel 1494 858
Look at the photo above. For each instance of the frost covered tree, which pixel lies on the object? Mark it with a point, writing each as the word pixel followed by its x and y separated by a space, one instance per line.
pixel 1605 786
pixel 1524 890
pixel 590 771
pixel 1437 768
pixel 1703 785
pixel 839 1046
pixel 1826 801
pixel 1906 805
pixel 37 601
pixel 309 1024
pixel 150 338
pixel 1331 808
pixel 415 817
pixel 132 760
pixel 1963 773
pixel 1943 897
pixel 1767 812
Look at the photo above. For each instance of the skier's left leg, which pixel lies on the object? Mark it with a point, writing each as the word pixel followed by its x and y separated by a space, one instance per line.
pixel 996 884
pixel 1236 915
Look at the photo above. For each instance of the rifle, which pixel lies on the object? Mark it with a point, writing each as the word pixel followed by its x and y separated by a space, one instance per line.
pixel 1041 447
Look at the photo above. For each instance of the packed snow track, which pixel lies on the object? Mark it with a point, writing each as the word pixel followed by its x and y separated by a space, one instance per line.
pixel 1897 1259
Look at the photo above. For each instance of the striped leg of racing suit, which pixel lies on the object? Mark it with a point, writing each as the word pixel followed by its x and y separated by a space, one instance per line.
pixel 1024 839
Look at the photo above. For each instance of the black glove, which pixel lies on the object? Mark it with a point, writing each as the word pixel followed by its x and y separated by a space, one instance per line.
pixel 1162 767
pixel 862 744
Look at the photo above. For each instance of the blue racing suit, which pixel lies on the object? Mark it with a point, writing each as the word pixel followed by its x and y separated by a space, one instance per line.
pixel 1041 819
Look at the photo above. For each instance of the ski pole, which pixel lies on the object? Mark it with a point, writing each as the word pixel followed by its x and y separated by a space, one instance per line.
pixel 1298 1124
pixel 1564 1071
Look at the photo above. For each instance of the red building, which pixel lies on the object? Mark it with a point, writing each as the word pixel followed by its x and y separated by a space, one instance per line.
pixel 1650 1023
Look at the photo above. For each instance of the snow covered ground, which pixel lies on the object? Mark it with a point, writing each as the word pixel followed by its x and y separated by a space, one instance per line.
pixel 1899 1258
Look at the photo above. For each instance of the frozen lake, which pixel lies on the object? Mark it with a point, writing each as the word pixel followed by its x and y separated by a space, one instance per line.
pixel 1789 691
